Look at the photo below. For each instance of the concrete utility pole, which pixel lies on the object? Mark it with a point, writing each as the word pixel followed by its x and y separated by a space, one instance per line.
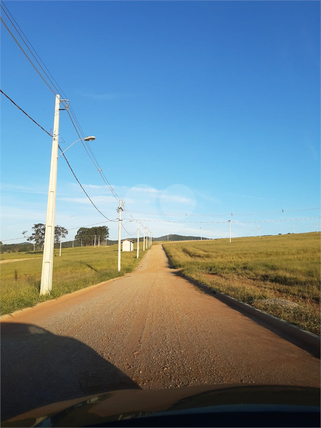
pixel 138 239
pixel 119 233
pixel 230 231
pixel 144 240
pixel 259 230
pixel 48 252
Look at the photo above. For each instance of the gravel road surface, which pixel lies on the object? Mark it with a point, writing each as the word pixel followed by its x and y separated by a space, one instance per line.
pixel 151 329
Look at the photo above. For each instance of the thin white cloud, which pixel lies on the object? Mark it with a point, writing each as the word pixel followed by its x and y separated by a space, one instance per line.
pixel 209 198
pixel 24 214
pixel 178 199
pixel 146 190
pixel 23 189
pixel 84 200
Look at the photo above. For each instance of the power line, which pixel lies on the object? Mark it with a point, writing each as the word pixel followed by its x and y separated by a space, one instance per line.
pixel 27 55
pixel 62 154
pixel 25 113
pixel 30 47
pixel 132 234
pixel 125 208
pixel 87 225
pixel 227 221
pixel 57 88
pixel 275 221
pixel 83 187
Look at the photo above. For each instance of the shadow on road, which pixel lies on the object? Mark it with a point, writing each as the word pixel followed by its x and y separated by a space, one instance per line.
pixel 40 368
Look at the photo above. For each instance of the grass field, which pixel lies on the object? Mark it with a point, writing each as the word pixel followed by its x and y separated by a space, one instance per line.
pixel 76 268
pixel 277 274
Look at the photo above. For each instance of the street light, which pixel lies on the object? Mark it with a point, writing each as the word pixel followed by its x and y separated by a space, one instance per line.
pixel 48 251
pixel 91 138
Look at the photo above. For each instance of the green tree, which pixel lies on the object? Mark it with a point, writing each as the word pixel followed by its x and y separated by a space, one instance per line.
pixel 60 233
pixel 38 234
pixel 86 236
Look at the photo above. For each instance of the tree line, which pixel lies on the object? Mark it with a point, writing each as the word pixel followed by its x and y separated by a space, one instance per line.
pixel 92 236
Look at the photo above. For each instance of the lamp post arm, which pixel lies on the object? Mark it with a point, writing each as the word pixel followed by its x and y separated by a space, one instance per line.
pixel 69 147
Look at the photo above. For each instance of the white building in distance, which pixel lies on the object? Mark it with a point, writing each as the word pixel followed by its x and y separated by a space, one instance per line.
pixel 127 245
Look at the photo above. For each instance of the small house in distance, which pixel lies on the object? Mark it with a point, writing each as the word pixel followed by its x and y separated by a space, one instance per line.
pixel 127 245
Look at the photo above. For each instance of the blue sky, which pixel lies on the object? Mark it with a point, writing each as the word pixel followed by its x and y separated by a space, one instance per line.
pixel 200 110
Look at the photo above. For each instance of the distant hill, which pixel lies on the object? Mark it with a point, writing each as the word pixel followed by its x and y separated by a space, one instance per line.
pixel 179 238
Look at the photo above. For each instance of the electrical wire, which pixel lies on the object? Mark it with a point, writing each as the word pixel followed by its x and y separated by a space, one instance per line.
pixel 128 233
pixel 27 56
pixel 25 113
pixel 88 225
pixel 83 188
pixel 54 88
pixel 30 48
pixel 227 221
pixel 62 154
pixel 243 222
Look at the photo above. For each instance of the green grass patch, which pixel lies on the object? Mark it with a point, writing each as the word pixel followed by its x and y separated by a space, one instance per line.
pixel 253 270
pixel 76 268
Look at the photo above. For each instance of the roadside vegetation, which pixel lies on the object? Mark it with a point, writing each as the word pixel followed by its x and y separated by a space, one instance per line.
pixel 76 268
pixel 277 274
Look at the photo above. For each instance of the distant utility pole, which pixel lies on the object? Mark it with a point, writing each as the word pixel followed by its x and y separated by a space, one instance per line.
pixel 119 232
pixel 95 241
pixel 73 243
pixel 60 248
pixel 259 230
pixel 293 229
pixel 98 241
pixel 230 231
pixel 144 240
pixel 138 239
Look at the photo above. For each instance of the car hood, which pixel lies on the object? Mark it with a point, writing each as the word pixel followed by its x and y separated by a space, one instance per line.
pixel 123 407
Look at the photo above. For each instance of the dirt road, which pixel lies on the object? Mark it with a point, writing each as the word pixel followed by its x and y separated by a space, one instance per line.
pixel 150 329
